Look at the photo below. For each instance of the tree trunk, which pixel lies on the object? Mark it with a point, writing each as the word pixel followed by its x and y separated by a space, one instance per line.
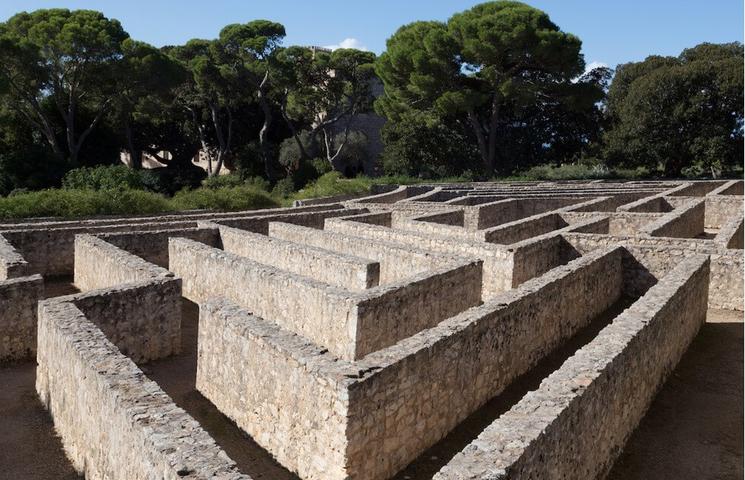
pixel 135 154
pixel 263 143
pixel 481 139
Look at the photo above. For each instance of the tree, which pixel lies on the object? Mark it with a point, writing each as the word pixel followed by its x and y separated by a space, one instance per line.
pixel 671 113
pixel 209 96
pixel 149 77
pixel 492 64
pixel 320 90
pixel 67 58
pixel 249 51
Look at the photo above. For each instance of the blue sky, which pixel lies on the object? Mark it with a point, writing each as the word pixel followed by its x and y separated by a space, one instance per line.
pixel 612 31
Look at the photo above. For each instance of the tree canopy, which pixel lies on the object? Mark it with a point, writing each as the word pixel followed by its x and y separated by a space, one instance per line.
pixel 669 113
pixel 498 65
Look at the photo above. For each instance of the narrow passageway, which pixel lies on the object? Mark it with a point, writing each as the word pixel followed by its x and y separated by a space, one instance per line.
pixel 29 446
pixel 432 460
pixel 176 375
pixel 693 429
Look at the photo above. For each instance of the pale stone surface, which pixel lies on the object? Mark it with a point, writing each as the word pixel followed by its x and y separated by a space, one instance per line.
pixel 345 372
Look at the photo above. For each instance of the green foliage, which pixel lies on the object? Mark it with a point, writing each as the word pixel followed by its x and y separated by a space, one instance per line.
pixel 168 181
pixel 426 147
pixel 503 69
pixel 80 203
pixel 69 59
pixel 579 172
pixel 114 177
pixel 673 113
pixel 284 187
pixel 333 183
pixel 244 197
pixel 221 181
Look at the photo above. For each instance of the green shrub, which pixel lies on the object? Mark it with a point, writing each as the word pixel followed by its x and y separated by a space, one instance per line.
pixel 107 177
pixel 226 198
pixel 81 203
pixel 580 171
pixel 221 181
pixel 332 183
pixel 284 188
pixel 168 181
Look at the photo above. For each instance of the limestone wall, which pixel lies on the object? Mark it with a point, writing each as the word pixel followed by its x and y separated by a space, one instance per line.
pixel 396 402
pixel 576 423
pixel 337 269
pixel 152 246
pixel 260 224
pixel 143 319
pixel 684 222
pixel 731 234
pixel 99 264
pixel 114 423
pixel 18 297
pixel 266 380
pixel 656 256
pixel 349 324
pixel 12 264
pixel 396 262
pixel 48 245
pixel 721 209
pixel 520 230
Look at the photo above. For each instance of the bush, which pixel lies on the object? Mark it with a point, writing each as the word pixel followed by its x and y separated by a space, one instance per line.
pixel 168 181
pixel 426 148
pixel 332 184
pixel 226 198
pixel 113 177
pixel 580 172
pixel 81 203
pixel 221 181
pixel 284 188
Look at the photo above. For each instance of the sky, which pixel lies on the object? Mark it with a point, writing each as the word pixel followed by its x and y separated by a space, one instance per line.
pixel 612 31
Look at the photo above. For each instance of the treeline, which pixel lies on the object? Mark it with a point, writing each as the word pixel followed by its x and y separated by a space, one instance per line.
pixel 493 91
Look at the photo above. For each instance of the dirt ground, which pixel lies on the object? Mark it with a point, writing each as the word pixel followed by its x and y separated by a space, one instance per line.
pixel 29 448
pixel 694 428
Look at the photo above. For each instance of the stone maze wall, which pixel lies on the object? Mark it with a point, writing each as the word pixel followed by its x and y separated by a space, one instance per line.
pixel 346 336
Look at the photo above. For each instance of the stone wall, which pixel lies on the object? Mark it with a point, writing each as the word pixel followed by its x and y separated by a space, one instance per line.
pixel 143 319
pixel 520 230
pixel 99 264
pixel 684 222
pixel 114 423
pixel 12 264
pixel 152 246
pixel 576 423
pixel 394 403
pixel 396 262
pixel 720 209
pixel 337 269
pixel 349 324
pixel 656 256
pixel 18 297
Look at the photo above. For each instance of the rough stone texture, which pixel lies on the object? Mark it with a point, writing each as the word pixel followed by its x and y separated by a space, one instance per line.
pixel 12 264
pixel 684 222
pixel 115 423
pixel 18 297
pixel 575 424
pixel 394 403
pixel 339 379
pixel 152 246
pixel 48 245
pixel 350 324
pixel 340 270
pixel 99 264
pixel 396 262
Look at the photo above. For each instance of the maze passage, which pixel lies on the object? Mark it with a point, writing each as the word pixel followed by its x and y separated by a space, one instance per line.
pixel 346 339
